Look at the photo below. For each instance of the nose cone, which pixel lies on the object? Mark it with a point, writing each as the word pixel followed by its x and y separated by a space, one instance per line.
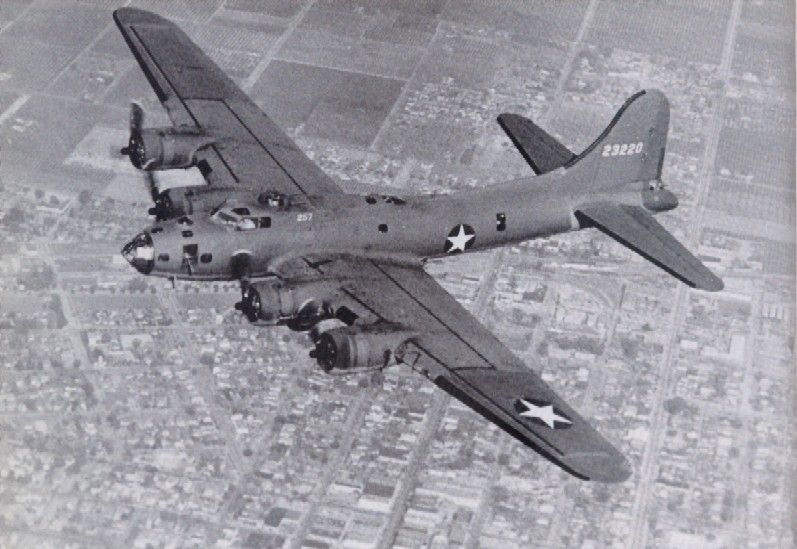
pixel 140 253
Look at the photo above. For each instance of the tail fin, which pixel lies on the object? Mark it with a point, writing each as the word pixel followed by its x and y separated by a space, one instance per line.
pixel 631 148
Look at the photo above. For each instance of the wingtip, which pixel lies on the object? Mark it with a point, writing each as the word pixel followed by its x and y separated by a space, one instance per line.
pixel 135 15
pixel 600 466
pixel 711 283
pixel 715 286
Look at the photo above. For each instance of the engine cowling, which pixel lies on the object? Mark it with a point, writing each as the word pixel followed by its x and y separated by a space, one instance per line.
pixel 164 148
pixel 356 347
pixel 271 303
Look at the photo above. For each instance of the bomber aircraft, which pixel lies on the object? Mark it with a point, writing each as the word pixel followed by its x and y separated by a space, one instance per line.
pixel 308 254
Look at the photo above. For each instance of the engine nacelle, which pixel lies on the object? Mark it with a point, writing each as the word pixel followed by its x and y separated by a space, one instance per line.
pixel 164 148
pixel 360 347
pixel 300 306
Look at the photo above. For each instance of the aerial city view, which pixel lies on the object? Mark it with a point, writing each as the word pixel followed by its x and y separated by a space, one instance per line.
pixel 146 412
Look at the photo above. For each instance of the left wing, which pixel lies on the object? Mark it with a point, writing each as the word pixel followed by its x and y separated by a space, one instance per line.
pixel 462 357
pixel 250 150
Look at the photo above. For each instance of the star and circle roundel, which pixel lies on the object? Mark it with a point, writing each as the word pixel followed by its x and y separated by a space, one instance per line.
pixel 460 239
pixel 542 413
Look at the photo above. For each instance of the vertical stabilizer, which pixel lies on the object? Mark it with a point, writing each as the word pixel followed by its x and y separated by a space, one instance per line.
pixel 632 147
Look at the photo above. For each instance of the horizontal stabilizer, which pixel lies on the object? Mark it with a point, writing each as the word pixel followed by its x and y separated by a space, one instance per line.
pixel 635 228
pixel 540 150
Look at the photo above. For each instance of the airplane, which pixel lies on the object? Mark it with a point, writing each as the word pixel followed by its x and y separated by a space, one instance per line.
pixel 306 253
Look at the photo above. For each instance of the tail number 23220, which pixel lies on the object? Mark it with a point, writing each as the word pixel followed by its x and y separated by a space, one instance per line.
pixel 623 149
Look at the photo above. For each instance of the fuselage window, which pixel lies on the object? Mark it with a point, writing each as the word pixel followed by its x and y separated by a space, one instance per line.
pixel 382 227
pixel 163 257
pixel 500 221
pixel 206 258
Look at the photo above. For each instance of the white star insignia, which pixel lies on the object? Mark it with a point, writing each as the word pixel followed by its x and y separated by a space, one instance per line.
pixel 546 414
pixel 460 240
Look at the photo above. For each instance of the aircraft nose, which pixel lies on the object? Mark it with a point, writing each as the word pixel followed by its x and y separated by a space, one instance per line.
pixel 140 253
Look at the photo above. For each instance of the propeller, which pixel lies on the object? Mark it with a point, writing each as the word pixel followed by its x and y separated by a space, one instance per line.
pixel 134 148
pixel 135 151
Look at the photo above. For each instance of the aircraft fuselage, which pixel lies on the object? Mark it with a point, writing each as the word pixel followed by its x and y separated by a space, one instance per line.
pixel 198 247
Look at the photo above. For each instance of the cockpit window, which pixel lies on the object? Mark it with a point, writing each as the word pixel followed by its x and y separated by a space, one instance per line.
pixel 239 221
pixel 246 224
pixel 240 218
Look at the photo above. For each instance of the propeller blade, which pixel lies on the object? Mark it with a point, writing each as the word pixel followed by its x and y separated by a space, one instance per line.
pixel 152 185
pixel 136 118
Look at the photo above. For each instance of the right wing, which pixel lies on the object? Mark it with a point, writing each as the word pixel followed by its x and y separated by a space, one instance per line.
pixel 250 149
pixel 455 351
pixel 635 228
pixel 540 150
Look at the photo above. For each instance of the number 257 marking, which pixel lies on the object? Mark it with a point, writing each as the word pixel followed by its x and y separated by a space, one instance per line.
pixel 624 149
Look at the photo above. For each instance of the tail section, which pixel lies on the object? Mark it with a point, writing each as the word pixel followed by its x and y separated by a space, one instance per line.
pixel 632 147
pixel 629 150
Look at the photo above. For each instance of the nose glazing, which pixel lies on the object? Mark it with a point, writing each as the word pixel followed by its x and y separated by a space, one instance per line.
pixel 140 253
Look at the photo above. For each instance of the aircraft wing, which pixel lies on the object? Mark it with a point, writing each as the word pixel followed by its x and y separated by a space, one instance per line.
pixel 635 228
pixel 461 356
pixel 249 150
pixel 539 148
